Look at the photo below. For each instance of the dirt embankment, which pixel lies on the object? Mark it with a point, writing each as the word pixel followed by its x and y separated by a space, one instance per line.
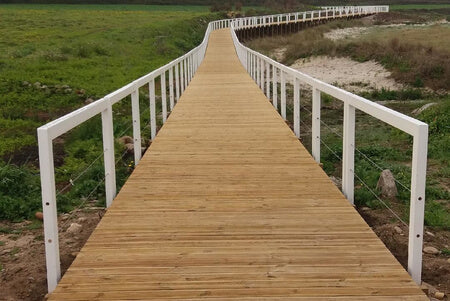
pixel 22 254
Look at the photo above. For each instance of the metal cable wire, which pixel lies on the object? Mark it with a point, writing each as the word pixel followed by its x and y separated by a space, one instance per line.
pixel 381 201
pixel 360 152
pixel 364 183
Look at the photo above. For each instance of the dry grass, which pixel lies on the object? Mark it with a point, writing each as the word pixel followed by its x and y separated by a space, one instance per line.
pixel 418 56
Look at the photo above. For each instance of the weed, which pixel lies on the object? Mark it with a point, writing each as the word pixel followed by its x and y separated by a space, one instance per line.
pixel 2 243
pixel 5 230
pixel 446 252
pixel 14 251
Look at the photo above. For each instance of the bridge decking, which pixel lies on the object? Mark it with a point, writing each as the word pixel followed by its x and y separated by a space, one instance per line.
pixel 227 204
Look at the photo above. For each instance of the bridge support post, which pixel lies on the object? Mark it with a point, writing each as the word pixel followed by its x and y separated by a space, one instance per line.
pixel 268 80
pixel 275 87
pixel 109 159
pixel 348 155
pixel 297 107
pixel 283 94
pixel 136 126
pixel 151 93
pixel 47 171
pixel 171 98
pixel 163 97
pixel 417 203
pixel 177 81
pixel 315 135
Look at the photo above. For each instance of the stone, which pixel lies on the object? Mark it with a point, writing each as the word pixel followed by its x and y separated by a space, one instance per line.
pixel 37 84
pixel 74 228
pixel 39 215
pixel 130 148
pixel 431 250
pixel 429 234
pixel 25 83
pixel 448 260
pixel 424 287
pixel 365 209
pixel 68 91
pixel 439 295
pixel 81 219
pixel 398 229
pixel 386 184
pixel 336 181
pixel 125 140
pixel 88 101
pixel 80 92
pixel 423 108
pixel 74 254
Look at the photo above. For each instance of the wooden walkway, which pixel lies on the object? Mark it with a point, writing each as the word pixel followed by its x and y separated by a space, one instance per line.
pixel 228 204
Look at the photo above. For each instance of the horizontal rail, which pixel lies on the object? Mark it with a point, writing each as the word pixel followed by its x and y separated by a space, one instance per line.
pixel 266 72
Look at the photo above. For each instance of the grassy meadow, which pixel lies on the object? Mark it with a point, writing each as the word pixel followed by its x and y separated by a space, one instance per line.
pixel 56 58
pixel 419 57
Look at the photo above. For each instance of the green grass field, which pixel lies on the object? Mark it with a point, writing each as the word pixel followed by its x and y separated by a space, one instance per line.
pixel 53 58
pixel 114 7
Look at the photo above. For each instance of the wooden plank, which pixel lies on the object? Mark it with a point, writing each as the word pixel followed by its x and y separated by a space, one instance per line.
pixel 227 204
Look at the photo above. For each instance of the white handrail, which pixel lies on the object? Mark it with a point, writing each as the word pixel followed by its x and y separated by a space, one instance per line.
pixel 180 72
pixel 260 67
pixel 183 67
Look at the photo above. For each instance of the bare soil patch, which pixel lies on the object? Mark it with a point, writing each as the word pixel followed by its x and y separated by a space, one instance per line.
pixel 22 255
pixel 436 268
pixel 347 73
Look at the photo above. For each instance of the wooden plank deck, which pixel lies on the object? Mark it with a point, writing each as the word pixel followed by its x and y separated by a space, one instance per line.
pixel 228 204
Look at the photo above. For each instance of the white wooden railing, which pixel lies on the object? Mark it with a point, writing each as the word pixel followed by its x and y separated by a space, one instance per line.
pixel 179 73
pixel 267 73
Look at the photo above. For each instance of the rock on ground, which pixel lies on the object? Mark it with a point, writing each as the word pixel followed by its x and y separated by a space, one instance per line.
pixel 386 184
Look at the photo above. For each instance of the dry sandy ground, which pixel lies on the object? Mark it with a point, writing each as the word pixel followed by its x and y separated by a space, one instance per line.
pixel 348 74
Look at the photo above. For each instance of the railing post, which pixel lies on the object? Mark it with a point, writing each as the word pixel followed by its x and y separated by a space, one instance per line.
pixel 171 96
pixel 47 170
pixel 267 80
pixel 163 97
pixel 136 125
pixel 185 64
pixel 177 81
pixel 417 203
pixel 258 71
pixel 348 155
pixel 151 93
pixel 275 87
pixel 262 67
pixel 315 135
pixel 184 75
pixel 297 107
pixel 283 94
pixel 108 155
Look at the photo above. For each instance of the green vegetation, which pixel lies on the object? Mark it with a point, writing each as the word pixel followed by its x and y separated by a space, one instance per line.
pixel 419 57
pixel 53 59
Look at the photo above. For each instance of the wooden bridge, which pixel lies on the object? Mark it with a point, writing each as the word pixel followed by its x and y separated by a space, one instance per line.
pixel 228 204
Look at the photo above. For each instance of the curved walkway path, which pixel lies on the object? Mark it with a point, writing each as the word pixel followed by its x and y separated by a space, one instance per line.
pixel 228 204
